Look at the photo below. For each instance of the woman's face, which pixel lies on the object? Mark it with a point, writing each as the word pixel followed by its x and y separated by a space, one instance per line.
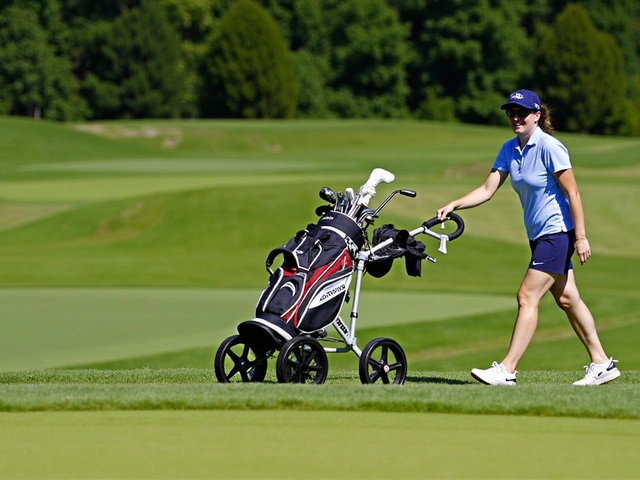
pixel 523 121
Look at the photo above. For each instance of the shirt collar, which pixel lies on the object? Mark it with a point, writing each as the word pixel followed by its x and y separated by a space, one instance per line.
pixel 532 141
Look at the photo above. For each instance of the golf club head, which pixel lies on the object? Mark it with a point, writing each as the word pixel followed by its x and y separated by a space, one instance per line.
pixel 328 195
pixel 349 192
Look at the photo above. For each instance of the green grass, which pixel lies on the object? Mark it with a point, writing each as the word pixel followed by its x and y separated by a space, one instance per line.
pixel 542 393
pixel 54 327
pixel 312 445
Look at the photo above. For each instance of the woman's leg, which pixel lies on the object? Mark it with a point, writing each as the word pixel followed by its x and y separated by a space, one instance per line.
pixel 534 285
pixel 565 292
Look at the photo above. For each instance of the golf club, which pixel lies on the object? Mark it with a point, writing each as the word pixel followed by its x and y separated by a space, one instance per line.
pixel 328 195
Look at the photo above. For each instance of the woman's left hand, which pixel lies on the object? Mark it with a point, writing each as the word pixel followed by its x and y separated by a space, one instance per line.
pixel 583 250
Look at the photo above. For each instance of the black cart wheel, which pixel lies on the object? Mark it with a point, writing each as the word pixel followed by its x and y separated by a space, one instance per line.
pixel 302 360
pixel 383 359
pixel 236 361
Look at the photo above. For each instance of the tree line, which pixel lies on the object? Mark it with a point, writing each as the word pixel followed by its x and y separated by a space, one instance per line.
pixel 445 60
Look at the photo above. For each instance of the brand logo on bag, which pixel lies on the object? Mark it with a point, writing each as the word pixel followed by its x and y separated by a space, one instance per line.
pixel 330 292
pixel 334 291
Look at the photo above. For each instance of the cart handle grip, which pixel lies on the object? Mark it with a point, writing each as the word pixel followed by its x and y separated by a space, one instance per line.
pixel 453 217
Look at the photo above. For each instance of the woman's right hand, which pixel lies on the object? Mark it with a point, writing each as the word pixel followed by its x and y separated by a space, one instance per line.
pixel 443 213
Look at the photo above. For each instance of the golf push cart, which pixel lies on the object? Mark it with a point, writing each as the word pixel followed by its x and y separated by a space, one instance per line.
pixel 304 296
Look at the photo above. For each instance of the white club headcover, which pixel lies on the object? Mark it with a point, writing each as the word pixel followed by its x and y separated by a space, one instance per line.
pixel 368 190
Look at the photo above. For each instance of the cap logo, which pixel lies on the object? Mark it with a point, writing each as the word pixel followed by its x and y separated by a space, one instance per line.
pixel 517 96
pixel 536 105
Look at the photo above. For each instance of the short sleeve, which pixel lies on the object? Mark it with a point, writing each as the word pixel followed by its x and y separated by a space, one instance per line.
pixel 556 157
pixel 501 162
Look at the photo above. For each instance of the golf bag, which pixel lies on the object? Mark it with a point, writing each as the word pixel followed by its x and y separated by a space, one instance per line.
pixel 305 294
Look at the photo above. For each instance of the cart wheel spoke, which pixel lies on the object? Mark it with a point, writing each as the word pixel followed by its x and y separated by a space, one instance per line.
pixel 232 372
pixel 385 354
pixel 374 376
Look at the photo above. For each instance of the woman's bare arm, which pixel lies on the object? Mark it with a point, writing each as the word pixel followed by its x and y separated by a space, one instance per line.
pixel 477 196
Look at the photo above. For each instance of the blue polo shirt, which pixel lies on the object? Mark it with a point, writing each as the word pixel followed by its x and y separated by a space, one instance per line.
pixel 545 205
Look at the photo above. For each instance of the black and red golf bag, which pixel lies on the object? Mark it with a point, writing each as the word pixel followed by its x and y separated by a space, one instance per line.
pixel 305 294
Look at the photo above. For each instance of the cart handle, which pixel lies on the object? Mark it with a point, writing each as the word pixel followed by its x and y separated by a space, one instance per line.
pixel 426 229
pixel 452 216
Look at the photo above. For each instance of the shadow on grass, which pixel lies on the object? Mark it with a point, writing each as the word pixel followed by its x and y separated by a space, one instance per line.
pixel 439 380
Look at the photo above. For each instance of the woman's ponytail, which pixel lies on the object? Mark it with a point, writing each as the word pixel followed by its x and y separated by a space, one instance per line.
pixel 545 120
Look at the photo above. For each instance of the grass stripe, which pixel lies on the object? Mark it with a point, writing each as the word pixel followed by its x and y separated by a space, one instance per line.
pixel 14 215
pixel 164 165
pixel 365 445
pixel 102 189
pixel 49 327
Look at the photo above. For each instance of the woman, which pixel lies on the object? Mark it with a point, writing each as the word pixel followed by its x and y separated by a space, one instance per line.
pixel 541 174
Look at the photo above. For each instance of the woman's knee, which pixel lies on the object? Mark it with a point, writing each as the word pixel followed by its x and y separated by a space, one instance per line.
pixel 526 299
pixel 567 301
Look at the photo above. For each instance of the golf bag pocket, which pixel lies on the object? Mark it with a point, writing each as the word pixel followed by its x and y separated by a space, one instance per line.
pixel 323 301
pixel 282 293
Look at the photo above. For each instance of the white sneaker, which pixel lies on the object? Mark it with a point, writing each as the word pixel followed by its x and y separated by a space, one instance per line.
pixel 599 373
pixel 496 375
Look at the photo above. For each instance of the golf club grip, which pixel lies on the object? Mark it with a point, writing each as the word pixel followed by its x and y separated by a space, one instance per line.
pixel 452 216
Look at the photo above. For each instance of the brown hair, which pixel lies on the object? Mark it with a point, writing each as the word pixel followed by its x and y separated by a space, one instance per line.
pixel 545 120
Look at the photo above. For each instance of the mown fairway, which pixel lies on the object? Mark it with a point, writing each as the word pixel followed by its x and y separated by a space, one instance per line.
pixel 315 445
pixel 141 244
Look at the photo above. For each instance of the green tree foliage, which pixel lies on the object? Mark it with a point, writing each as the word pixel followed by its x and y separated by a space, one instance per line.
pixel 302 24
pixel 140 75
pixel 468 54
pixel 50 18
pixel 96 9
pixel 194 20
pixel 310 74
pixel 451 60
pixel 581 72
pixel 369 53
pixel 304 27
pixel 620 18
pixel 34 80
pixel 248 73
